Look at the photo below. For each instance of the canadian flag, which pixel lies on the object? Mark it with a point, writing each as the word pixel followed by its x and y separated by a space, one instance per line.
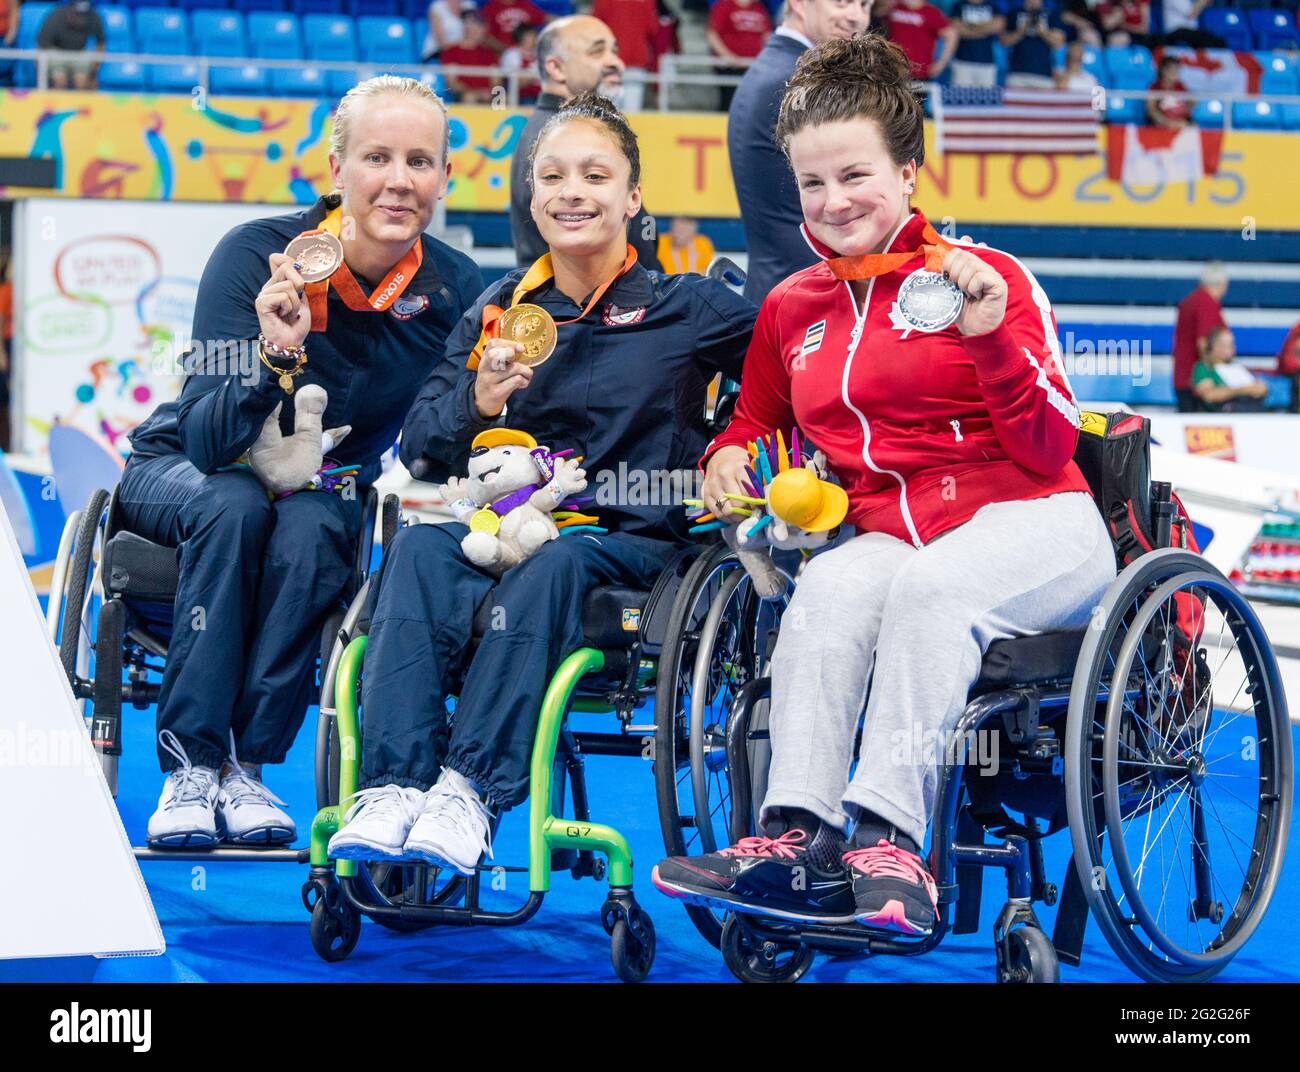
pixel 1152 156
pixel 1217 70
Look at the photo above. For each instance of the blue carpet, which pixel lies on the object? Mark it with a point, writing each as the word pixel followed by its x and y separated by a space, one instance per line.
pixel 233 922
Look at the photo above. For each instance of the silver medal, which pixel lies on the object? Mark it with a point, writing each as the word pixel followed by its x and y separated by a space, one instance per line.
pixel 928 301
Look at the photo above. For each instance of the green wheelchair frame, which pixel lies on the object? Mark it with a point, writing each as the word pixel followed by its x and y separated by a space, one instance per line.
pixel 336 902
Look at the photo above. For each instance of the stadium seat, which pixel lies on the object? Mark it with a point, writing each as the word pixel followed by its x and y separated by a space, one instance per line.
pixel 1279 79
pixel 172 77
pixel 329 37
pixel 275 35
pixel 1274 29
pixel 218 33
pixel 359 8
pixel 1095 64
pixel 1230 25
pixel 306 81
pixel 318 7
pixel 1290 115
pixel 1255 115
pixel 1130 66
pixel 117 28
pixel 385 40
pixel 30 17
pixel 205 5
pixel 260 5
pixel 1208 114
pixel 238 81
pixel 341 81
pixel 416 9
pixel 1125 110
pixel 121 77
pixel 161 30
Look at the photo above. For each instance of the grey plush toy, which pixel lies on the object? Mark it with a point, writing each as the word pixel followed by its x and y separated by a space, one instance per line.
pixel 285 464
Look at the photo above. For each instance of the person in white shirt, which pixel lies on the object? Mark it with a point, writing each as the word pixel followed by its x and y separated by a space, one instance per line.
pixel 1072 76
pixel 1182 26
pixel 446 26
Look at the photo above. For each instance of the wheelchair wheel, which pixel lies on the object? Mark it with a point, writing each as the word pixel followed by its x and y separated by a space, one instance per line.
pixel 1178 768
pixel 1028 957
pixel 74 641
pixel 716 641
pixel 632 957
pixel 396 884
pixel 757 961
pixel 334 930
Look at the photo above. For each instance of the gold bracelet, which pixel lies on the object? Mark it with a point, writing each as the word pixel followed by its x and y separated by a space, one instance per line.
pixel 286 375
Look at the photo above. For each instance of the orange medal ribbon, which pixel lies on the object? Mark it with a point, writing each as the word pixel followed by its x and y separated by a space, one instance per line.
pixel 540 272
pixel 393 286
pixel 870 265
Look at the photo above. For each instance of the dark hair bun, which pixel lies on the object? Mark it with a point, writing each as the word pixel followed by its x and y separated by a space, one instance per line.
pixel 860 77
pixel 599 109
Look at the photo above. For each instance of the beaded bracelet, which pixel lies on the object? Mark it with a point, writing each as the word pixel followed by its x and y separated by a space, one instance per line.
pixel 292 353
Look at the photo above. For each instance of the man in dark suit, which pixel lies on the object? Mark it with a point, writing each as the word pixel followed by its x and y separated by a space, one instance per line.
pixel 765 186
pixel 574 55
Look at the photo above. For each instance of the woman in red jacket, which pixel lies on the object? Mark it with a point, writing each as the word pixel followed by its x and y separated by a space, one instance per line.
pixel 953 439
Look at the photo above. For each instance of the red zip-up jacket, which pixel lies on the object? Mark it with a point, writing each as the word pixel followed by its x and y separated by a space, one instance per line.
pixel 922 429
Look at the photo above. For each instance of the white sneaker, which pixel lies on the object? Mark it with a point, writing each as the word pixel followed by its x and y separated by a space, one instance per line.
pixel 247 811
pixel 454 827
pixel 376 825
pixel 186 814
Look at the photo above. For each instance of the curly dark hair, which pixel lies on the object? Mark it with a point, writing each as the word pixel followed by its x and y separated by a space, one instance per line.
pixel 860 77
pixel 597 109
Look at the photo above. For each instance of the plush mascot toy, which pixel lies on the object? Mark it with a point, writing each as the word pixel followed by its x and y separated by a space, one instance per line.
pixel 511 498
pixel 298 462
pixel 792 505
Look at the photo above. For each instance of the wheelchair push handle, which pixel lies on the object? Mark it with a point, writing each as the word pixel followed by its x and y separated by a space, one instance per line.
pixel 727 270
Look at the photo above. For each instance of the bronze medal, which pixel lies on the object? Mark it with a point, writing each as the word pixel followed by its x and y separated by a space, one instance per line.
pixel 286 383
pixel 319 254
pixel 534 327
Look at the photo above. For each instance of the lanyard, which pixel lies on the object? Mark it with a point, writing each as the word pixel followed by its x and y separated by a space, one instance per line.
pixel 539 273
pixel 870 265
pixel 392 287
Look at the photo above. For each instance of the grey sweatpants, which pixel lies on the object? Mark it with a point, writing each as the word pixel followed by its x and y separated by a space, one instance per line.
pixel 921 619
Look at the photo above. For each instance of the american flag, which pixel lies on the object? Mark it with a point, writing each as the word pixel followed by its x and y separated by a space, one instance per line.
pixel 971 120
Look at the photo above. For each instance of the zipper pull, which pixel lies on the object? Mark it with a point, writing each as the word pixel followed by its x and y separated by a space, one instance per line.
pixel 956 429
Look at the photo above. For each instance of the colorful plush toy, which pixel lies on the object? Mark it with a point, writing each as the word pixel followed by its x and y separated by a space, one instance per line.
pixel 517 497
pixel 791 506
pixel 299 462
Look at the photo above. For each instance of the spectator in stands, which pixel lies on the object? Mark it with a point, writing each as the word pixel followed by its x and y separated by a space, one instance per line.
pixel 738 30
pixel 503 16
pixel 765 186
pixel 684 249
pixel 1169 110
pixel 446 27
pixel 574 55
pixel 1033 31
pixel 1222 385
pixel 8 27
pixel 1288 364
pixel 1127 22
pixel 1198 313
pixel 916 26
pixel 879 18
pixel 1182 26
pixel 978 22
pixel 1083 19
pixel 473 51
pixel 521 57
pixel 67 28
pixel 635 24
pixel 666 41
pixel 1072 76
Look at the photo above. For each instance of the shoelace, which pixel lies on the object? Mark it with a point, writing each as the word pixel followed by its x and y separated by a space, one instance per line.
pixel 884 859
pixel 781 847
pixel 463 810
pixel 387 802
pixel 239 786
pixel 191 784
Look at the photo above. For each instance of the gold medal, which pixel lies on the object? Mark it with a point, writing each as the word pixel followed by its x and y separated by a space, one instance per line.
pixel 485 521
pixel 534 327
pixel 319 254
pixel 286 383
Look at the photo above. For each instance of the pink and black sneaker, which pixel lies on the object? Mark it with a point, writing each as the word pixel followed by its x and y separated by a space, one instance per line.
pixel 765 876
pixel 892 889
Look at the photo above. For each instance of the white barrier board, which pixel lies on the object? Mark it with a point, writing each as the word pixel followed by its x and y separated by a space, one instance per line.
pixel 72 886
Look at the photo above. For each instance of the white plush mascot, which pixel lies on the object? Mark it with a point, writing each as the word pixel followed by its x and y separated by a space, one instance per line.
pixel 286 464
pixel 509 497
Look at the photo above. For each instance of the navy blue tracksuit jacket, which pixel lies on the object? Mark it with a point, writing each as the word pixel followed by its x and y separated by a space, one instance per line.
pixel 625 389
pixel 257 578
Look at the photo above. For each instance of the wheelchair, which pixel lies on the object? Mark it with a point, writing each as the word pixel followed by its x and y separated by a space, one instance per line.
pixel 1115 732
pixel 114 653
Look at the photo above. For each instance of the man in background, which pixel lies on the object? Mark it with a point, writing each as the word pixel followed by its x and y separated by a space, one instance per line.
pixel 1198 313
pixel 67 28
pixel 683 249
pixel 765 186
pixel 574 55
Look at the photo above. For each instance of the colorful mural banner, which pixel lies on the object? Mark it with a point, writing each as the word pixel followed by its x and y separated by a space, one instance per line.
pixel 255 150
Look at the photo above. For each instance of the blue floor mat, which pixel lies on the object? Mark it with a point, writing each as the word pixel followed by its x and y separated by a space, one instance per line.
pixel 234 922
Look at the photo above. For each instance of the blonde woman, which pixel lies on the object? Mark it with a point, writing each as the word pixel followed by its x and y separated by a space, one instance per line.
pixel 258 575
